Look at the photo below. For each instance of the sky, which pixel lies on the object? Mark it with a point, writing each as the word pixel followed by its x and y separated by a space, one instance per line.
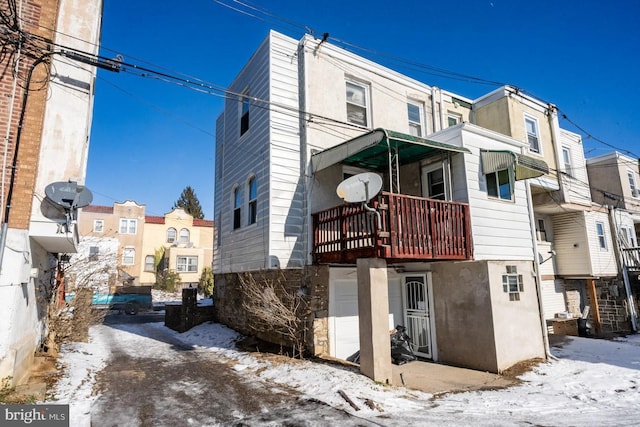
pixel 150 138
pixel 589 382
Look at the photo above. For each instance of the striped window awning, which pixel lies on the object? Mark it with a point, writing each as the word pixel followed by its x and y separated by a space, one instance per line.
pixel 524 166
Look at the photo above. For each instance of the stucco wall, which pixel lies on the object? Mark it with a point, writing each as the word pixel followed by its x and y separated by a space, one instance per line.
pixel 464 331
pixel 477 326
pixel 518 331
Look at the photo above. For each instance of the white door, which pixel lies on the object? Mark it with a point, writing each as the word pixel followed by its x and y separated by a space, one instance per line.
pixel 418 314
pixel 344 328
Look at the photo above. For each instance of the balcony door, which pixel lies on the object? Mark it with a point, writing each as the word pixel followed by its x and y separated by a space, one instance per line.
pixel 435 181
pixel 417 313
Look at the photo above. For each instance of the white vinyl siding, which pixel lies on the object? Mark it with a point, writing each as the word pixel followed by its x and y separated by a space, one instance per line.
pixel 288 246
pixel 270 150
pixel 500 230
pixel 575 180
pixel 578 247
pixel 553 300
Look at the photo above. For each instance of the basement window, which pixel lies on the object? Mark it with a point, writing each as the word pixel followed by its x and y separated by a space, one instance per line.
pixel 512 283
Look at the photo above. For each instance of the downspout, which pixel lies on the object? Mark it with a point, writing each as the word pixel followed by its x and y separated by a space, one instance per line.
pixel 308 176
pixel 538 277
pixel 441 110
pixel 557 147
pixel 623 267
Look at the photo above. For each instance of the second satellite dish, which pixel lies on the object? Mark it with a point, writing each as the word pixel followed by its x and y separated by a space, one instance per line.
pixel 68 195
pixel 360 188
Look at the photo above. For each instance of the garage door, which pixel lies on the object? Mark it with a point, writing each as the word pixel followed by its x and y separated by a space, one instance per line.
pixel 343 315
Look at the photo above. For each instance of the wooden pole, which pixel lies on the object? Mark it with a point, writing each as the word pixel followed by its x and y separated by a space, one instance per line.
pixel 595 309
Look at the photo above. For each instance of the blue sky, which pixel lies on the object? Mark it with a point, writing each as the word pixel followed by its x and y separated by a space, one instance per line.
pixel 150 138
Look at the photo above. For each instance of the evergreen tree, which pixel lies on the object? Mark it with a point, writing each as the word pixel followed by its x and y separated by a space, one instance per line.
pixel 190 203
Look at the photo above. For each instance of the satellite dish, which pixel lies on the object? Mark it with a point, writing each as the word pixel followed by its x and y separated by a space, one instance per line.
pixel 68 195
pixel 360 188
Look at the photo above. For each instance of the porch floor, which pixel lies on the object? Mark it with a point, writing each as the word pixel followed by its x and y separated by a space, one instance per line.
pixel 435 378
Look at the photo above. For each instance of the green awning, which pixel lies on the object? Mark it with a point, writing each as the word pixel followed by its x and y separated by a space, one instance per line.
pixel 525 167
pixel 371 150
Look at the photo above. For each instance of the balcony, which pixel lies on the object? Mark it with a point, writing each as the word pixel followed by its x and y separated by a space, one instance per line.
pixel 632 258
pixel 411 229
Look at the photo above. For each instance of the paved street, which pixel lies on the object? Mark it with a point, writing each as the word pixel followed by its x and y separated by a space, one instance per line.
pixel 187 386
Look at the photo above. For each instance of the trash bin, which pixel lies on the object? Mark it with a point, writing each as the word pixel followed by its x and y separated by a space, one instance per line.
pixel 584 328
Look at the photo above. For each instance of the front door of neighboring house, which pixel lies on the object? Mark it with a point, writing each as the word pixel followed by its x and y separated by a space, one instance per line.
pixel 417 312
pixel 435 181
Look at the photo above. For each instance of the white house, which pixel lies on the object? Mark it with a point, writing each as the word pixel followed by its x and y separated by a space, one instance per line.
pixel 456 240
pixel 47 125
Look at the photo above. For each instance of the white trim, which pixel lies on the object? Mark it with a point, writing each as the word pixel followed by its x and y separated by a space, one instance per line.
pixel 367 100
pixel 537 134
pixel 422 122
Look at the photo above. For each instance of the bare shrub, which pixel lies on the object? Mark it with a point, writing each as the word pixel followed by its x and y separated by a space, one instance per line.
pixel 275 308
pixel 71 321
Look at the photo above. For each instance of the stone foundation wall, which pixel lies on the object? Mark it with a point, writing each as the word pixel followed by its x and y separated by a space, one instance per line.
pixel 614 316
pixel 310 284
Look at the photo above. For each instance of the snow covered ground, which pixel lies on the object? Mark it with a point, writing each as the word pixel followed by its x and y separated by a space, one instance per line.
pixel 592 383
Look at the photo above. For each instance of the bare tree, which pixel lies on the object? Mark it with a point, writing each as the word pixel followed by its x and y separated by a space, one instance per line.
pixel 274 307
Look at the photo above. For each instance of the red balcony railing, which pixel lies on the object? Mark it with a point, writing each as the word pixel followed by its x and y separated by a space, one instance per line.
pixel 412 228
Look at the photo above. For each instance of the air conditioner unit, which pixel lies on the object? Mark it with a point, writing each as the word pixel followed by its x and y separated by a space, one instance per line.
pixel 635 192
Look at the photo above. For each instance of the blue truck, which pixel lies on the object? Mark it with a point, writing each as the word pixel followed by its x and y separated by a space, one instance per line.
pixel 129 299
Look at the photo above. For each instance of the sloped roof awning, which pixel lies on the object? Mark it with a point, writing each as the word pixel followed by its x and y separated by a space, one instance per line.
pixel 525 167
pixel 371 150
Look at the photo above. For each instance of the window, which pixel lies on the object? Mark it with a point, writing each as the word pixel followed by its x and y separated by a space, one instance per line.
pixel 453 119
pixel 600 233
pixel 187 264
pixel 433 181
pixel 98 226
pixel 128 255
pixel 541 232
pixel 253 200
pixel 499 185
pixel 512 283
pixel 184 236
pixel 128 226
pixel 632 184
pixel 171 235
pixel 237 204
pixel 532 134
pixel 149 262
pixel 566 158
pixel 244 112
pixel 628 235
pixel 93 253
pixel 415 118
pixel 357 104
